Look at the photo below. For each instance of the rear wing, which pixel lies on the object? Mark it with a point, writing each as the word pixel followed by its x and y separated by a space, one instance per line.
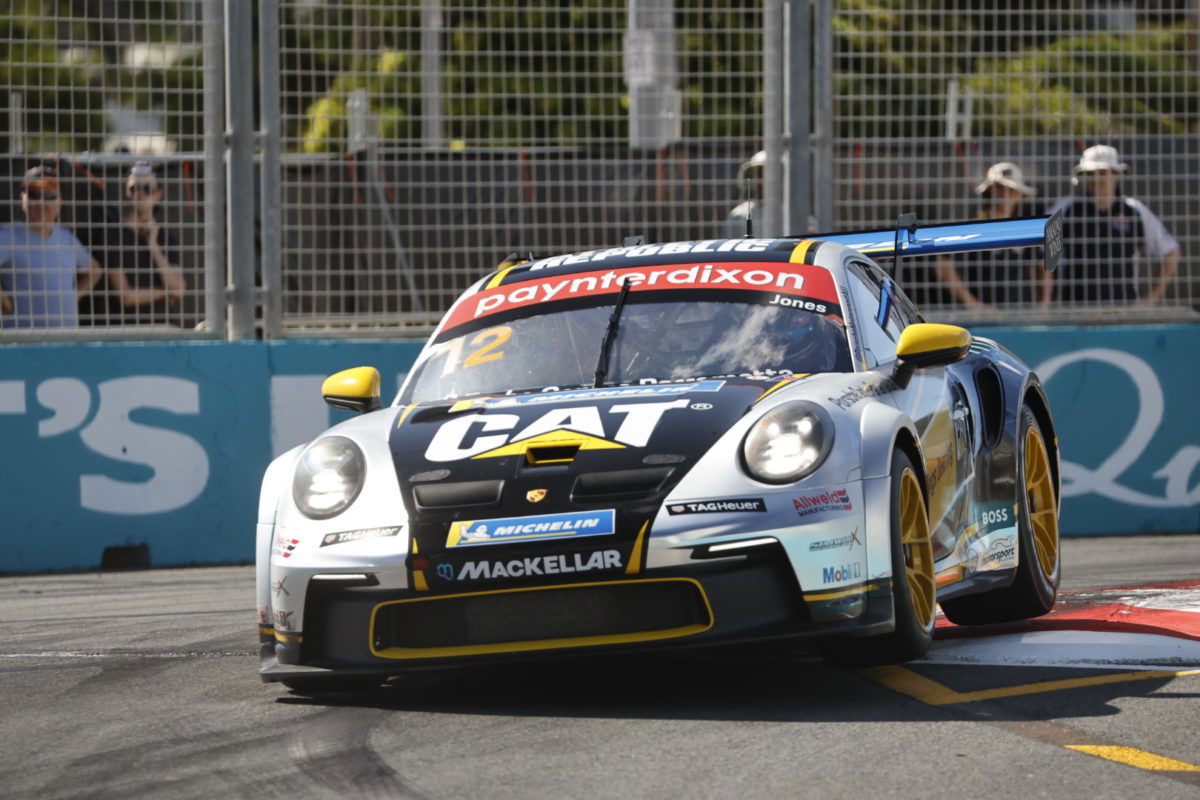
pixel 911 239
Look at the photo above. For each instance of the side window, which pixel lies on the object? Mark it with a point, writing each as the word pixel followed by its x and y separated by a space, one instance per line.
pixel 908 311
pixel 895 321
pixel 866 294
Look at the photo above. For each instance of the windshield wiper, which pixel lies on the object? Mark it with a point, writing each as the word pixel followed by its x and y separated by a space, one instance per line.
pixel 610 335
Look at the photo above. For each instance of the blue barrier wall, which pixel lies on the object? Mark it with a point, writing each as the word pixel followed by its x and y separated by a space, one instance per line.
pixel 164 444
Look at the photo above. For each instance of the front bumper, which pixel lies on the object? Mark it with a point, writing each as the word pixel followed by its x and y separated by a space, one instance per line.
pixel 747 598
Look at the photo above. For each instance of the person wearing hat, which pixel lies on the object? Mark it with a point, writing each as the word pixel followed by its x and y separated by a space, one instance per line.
pixel 1107 237
pixel 43 267
pixel 143 282
pixel 989 278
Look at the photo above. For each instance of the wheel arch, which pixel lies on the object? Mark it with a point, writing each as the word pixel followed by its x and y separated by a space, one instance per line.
pixel 885 429
pixel 1035 398
pixel 274 485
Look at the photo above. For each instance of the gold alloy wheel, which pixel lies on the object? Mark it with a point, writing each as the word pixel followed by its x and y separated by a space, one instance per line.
pixel 1039 498
pixel 917 548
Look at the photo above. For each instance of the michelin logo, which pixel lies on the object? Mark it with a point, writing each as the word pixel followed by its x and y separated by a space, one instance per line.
pixel 536 565
pixel 524 529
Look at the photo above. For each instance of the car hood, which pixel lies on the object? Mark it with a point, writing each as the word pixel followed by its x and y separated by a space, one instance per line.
pixel 568 453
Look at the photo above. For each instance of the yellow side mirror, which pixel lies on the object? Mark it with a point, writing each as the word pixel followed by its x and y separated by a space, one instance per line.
pixel 354 389
pixel 928 344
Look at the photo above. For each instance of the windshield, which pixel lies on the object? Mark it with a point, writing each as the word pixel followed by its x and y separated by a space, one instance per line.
pixel 655 342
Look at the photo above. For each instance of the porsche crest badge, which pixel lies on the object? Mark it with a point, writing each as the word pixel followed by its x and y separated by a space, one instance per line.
pixel 535 495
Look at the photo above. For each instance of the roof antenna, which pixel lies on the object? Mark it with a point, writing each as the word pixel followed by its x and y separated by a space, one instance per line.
pixel 905 222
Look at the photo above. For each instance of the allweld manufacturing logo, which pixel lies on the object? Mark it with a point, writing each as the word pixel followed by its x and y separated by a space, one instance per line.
pixel 836 500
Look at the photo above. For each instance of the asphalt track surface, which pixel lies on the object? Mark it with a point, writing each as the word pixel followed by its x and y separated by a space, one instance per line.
pixel 143 684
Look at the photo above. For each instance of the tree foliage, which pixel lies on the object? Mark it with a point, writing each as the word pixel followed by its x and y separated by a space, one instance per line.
pixel 1032 69
pixel 553 73
pixel 69 61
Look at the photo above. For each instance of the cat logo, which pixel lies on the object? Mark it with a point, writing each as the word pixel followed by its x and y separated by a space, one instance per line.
pixel 492 435
pixel 535 495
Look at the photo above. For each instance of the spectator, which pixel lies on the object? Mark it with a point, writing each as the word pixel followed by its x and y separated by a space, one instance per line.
pixel 986 279
pixel 1107 235
pixel 43 267
pixel 142 280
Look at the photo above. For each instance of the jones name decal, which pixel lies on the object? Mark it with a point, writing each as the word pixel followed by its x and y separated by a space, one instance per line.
pixel 713 506
pixel 534 565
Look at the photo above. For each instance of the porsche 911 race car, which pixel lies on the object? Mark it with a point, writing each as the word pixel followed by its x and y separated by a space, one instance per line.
pixel 669 446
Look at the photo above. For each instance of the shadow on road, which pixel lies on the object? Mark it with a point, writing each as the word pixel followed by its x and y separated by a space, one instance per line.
pixel 777 689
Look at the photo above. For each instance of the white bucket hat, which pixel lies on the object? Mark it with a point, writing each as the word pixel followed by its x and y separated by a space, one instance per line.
pixel 1007 174
pixel 1097 157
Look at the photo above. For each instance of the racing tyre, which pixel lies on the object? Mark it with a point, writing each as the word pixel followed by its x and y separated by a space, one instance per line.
pixel 913 589
pixel 1039 568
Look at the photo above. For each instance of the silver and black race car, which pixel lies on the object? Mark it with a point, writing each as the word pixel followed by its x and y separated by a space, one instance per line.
pixel 669 446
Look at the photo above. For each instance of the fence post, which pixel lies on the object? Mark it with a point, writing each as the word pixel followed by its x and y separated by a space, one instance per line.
pixel 799 116
pixel 822 140
pixel 773 102
pixel 270 181
pixel 432 127
pixel 240 167
pixel 214 167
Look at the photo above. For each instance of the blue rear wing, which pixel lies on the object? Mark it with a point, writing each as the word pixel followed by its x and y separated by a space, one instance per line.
pixel 958 237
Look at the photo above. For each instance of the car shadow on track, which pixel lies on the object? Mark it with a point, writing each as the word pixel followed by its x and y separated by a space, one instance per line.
pixel 766 689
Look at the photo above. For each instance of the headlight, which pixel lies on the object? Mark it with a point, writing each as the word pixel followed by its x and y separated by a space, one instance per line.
pixel 328 477
pixel 788 443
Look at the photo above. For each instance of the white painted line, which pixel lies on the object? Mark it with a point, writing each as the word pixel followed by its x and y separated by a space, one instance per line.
pixel 1082 649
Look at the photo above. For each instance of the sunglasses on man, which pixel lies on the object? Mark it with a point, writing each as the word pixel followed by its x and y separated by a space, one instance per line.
pixel 38 194
pixel 143 188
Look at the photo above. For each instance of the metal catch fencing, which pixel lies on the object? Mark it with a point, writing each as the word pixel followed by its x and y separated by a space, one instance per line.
pixel 423 142
pixel 113 110
pixel 928 96
pixel 403 149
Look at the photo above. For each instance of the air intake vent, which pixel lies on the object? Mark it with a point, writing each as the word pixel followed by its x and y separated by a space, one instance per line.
pixel 551 454
pixel 458 495
pixel 620 484
pixel 532 619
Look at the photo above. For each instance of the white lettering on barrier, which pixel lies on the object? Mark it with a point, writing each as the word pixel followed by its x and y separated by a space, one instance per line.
pixel 69 398
pixel 12 397
pixel 1103 480
pixel 179 463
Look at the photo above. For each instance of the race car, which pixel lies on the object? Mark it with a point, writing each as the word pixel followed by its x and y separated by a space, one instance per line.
pixel 667 446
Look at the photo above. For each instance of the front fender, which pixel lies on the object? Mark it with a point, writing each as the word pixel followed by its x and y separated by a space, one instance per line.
pixel 879 428
pixel 274 486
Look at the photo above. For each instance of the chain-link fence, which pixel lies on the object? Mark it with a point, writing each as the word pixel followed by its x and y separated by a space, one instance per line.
pixel 405 148
pixel 106 102
pixel 423 142
pixel 929 96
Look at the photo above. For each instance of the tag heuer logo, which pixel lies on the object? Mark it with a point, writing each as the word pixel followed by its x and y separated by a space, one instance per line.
pixel 535 495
